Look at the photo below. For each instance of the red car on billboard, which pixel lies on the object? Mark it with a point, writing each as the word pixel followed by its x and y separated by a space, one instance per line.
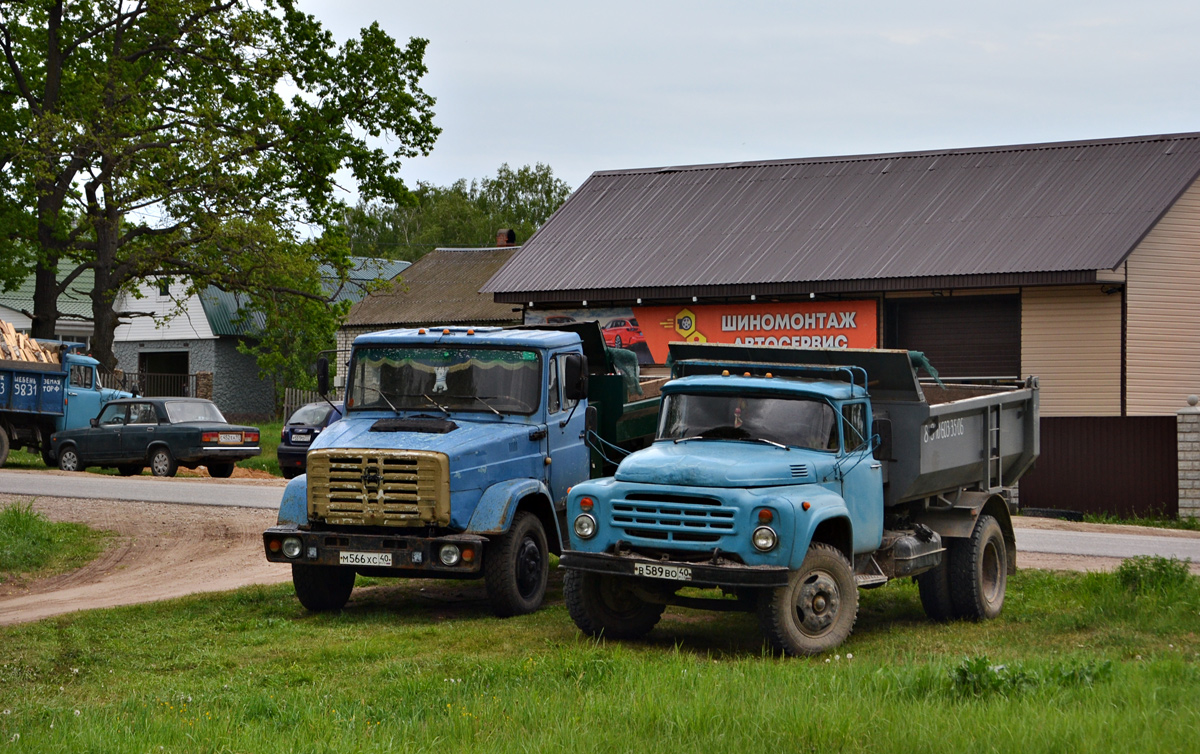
pixel 622 333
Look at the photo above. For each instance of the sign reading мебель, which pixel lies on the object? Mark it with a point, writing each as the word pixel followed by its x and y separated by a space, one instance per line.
pixel 803 324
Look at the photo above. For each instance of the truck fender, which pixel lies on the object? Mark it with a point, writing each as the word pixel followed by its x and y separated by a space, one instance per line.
pixel 959 520
pixel 293 509
pixel 498 504
pixel 827 520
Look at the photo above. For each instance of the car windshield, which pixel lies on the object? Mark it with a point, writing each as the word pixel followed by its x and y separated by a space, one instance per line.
pixel 450 378
pixel 313 414
pixel 798 422
pixel 180 412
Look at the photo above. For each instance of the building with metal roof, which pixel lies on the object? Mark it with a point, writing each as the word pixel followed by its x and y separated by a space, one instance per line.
pixel 74 306
pixel 1075 261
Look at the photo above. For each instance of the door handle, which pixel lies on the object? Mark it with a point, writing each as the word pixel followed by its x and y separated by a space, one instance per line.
pixel 877 466
pixel 72 393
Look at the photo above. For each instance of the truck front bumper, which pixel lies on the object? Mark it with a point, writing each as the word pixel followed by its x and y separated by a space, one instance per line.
pixel 702 574
pixel 409 556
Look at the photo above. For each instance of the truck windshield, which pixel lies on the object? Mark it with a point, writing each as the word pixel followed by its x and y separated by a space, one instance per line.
pixel 457 379
pixel 797 422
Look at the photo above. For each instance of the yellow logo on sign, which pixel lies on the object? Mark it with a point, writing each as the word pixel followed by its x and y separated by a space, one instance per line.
pixel 684 323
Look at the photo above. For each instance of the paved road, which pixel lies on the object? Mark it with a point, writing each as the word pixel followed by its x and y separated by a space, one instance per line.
pixel 147 489
pixel 268 494
pixel 1107 545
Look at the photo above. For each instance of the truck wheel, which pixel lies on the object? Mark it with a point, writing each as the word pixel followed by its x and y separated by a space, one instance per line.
pixel 220 470
pixel 130 469
pixel 68 459
pixel 162 463
pixel 517 566
pixel 934 587
pixel 979 571
pixel 605 606
pixel 322 589
pixel 4 446
pixel 817 608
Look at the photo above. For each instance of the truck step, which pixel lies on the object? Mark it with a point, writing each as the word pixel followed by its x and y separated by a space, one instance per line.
pixel 868 580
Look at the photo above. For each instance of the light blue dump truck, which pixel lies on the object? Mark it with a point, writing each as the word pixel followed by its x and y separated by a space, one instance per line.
pixel 783 480
pixel 453 459
pixel 38 399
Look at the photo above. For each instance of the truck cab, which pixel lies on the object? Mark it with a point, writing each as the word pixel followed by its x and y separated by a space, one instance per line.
pixel 452 460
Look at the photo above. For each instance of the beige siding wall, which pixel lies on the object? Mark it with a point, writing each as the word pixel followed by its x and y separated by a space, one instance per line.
pixel 1163 317
pixel 1071 340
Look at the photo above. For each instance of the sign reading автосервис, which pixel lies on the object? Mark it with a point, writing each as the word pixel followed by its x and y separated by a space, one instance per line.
pixel 803 324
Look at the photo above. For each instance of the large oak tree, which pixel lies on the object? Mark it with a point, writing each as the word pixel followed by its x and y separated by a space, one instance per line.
pixel 198 139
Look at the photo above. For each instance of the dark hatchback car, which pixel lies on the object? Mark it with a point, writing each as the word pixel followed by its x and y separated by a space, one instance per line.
pixel 162 433
pixel 299 432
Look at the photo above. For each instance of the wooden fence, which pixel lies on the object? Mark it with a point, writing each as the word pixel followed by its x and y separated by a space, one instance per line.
pixel 294 398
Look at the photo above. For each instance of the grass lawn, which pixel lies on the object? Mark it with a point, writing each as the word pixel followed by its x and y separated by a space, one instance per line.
pixel 32 546
pixel 1077 662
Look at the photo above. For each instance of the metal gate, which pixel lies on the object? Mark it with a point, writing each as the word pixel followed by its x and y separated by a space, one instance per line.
pixel 1119 465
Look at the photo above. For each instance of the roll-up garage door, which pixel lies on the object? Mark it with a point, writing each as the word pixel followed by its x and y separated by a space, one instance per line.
pixel 963 336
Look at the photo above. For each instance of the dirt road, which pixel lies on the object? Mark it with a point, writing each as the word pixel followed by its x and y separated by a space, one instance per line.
pixel 163 550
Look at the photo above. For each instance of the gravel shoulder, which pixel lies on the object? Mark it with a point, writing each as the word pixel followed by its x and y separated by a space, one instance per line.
pixel 165 550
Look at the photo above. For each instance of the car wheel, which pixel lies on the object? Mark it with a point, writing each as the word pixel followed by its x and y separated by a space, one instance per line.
pixel 220 470
pixel 617 342
pixel 162 463
pixel 68 459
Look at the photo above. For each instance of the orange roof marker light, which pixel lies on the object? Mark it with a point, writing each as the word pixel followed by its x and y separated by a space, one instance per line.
pixel 445 331
pixel 471 332
pixel 421 331
pixel 745 374
pixel 724 372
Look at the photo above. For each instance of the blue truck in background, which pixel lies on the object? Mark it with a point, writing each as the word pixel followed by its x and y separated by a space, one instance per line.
pixel 784 480
pixel 453 459
pixel 38 399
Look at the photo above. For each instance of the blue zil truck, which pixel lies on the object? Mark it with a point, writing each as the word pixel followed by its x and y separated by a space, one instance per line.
pixel 453 459
pixel 38 399
pixel 782 481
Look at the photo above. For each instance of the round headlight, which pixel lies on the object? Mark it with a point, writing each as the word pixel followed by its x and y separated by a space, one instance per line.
pixel 764 538
pixel 449 555
pixel 585 526
pixel 292 547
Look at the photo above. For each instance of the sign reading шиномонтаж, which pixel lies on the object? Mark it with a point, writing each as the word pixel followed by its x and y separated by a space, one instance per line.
pixel 803 324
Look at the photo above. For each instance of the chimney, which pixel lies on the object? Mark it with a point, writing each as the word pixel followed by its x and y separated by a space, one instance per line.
pixel 506 237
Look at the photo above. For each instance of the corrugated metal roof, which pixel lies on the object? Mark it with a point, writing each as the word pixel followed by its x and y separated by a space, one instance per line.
pixel 442 287
pixel 859 222
pixel 363 270
pixel 75 302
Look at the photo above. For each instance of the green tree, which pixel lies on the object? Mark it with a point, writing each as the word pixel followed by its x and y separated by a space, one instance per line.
pixel 197 139
pixel 463 214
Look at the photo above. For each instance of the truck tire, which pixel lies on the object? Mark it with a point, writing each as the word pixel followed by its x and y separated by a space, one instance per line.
pixel 934 587
pixel 68 459
pixel 978 571
pixel 516 567
pixel 162 463
pixel 602 605
pixel 816 610
pixel 322 589
pixel 220 470
pixel 4 446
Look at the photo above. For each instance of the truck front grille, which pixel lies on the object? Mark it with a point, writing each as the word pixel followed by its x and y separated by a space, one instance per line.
pixel 379 487
pixel 673 518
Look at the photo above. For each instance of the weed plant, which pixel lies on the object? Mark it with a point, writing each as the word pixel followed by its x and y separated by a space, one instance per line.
pixel 1076 662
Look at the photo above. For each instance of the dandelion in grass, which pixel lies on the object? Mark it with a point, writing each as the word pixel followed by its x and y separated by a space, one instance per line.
pixel 74 671
pixel 8 712
pixel 77 713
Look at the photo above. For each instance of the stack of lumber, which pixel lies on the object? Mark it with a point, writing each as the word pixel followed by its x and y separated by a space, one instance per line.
pixel 16 346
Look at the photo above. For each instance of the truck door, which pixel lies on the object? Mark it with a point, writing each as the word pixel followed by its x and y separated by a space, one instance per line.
pixel 564 427
pixel 862 478
pixel 83 396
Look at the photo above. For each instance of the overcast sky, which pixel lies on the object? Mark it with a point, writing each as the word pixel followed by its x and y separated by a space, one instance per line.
pixel 619 84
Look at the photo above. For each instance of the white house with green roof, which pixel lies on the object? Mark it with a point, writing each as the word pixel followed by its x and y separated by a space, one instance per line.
pixel 74 305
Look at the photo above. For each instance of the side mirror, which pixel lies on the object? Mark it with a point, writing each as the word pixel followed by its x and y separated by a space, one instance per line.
pixel 591 419
pixel 575 377
pixel 323 376
pixel 95 422
pixel 882 429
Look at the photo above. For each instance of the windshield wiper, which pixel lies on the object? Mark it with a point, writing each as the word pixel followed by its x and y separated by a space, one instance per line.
pixel 443 409
pixel 768 442
pixel 693 437
pixel 490 406
pixel 391 405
